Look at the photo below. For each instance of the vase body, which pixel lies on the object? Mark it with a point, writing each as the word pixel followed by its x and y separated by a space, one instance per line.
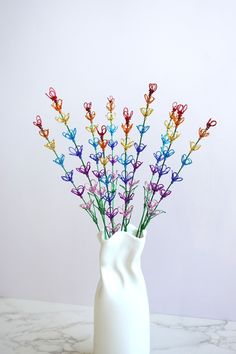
pixel 121 309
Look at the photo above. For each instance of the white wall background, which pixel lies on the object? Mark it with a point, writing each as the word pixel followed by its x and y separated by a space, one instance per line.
pixel 88 50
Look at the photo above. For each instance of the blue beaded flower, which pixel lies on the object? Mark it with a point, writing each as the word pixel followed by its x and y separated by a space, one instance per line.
pixel 60 160
pixel 125 159
pixel 142 128
pixel 70 135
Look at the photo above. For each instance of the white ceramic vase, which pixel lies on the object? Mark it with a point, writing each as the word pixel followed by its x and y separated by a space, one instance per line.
pixel 121 310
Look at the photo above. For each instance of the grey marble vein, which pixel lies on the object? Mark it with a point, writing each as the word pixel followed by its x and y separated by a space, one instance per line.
pixel 34 327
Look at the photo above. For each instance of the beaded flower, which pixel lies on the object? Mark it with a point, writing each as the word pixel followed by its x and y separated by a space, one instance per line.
pixel 106 168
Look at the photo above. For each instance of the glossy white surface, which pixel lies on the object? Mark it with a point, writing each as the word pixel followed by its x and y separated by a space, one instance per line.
pixel 33 327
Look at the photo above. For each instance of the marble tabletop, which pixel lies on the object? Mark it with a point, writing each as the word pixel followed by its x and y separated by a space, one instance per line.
pixel 35 327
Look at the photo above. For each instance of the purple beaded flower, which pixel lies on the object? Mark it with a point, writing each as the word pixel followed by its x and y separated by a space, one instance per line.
pixel 84 169
pixel 99 174
pixel 164 193
pixel 136 164
pixel 156 187
pixel 127 198
pixel 126 213
pixel 112 213
pixel 79 191
pixel 154 169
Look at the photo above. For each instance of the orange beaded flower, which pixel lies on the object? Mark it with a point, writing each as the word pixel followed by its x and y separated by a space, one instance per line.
pixel 110 104
pixel 57 103
pixel 38 122
pixel 203 132
pixel 44 133
pixel 126 129
pixel 90 115
pixel 148 97
pixel 177 113
pixel 103 144
pixel 127 126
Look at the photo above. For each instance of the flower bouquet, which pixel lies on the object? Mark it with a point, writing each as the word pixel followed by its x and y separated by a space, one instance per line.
pixel 107 187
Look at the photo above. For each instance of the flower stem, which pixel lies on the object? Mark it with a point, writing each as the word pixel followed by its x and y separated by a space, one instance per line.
pixel 89 212
pixel 145 212
pixel 89 180
pixel 108 192
pixel 124 220
pixel 136 160
pixel 179 170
